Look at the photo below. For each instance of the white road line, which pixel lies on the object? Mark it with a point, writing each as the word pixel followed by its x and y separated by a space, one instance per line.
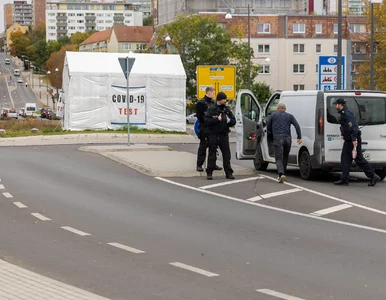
pixel 19 204
pixel 330 210
pixel 254 199
pixel 280 193
pixel 272 207
pixel 127 248
pixel 40 217
pixel 278 295
pixel 329 197
pixel 2 187
pixel 7 195
pixel 76 231
pixel 194 269
pixel 228 182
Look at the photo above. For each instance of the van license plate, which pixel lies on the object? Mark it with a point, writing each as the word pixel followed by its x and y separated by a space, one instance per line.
pixel 366 156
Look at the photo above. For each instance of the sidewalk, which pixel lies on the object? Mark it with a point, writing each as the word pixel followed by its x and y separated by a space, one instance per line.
pixel 19 284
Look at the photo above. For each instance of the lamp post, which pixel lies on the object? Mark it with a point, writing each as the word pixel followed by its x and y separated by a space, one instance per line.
pixel 167 40
pixel 228 16
pixel 48 73
pixel 339 67
pixel 56 81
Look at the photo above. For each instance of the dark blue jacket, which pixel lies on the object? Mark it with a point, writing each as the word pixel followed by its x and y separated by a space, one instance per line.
pixel 279 124
pixel 348 125
pixel 214 125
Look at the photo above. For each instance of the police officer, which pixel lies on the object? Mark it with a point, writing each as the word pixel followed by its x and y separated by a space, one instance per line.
pixel 219 119
pixel 201 108
pixel 352 138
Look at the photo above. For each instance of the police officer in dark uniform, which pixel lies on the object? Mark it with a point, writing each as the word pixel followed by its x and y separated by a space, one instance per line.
pixel 219 119
pixel 352 138
pixel 201 107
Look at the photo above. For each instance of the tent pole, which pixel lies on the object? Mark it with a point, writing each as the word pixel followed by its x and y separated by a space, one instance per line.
pixel 128 100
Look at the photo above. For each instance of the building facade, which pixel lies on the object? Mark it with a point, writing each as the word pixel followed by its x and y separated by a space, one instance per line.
pixel 39 12
pixel 287 48
pixel 22 13
pixel 8 15
pixel 67 18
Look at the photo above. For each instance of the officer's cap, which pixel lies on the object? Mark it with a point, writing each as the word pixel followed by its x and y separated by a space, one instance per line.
pixel 340 101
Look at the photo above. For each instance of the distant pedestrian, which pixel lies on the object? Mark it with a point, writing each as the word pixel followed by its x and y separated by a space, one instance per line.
pixel 201 108
pixel 352 140
pixel 279 128
pixel 219 119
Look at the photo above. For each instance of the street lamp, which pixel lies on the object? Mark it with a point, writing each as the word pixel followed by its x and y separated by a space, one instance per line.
pixel 56 83
pixel 48 74
pixel 228 16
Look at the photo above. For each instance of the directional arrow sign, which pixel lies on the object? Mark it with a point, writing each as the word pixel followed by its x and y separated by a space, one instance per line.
pixel 123 62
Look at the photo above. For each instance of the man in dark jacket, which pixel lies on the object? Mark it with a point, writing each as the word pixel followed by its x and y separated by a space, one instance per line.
pixel 201 107
pixel 219 119
pixel 352 138
pixel 279 128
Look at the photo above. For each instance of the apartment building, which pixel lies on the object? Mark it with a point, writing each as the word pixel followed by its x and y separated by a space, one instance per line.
pixel 121 39
pixel 39 12
pixel 287 47
pixel 165 11
pixel 349 7
pixel 8 15
pixel 22 13
pixel 67 18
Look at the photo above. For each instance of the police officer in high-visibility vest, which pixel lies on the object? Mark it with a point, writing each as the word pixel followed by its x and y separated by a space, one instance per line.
pixel 352 140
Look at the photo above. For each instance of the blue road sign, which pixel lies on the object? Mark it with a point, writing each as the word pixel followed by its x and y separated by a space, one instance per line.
pixel 328 71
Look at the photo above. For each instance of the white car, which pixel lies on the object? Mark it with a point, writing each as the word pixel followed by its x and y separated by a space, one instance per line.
pixel 191 119
pixel 19 80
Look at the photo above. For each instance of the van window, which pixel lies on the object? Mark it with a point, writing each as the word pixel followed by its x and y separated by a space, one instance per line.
pixel 31 108
pixel 368 110
pixel 272 106
pixel 249 108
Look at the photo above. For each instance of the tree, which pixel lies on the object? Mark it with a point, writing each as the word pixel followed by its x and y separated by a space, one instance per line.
pixel 262 91
pixel 79 37
pixel 56 60
pixel 64 40
pixel 148 21
pixel 200 40
pixel 19 44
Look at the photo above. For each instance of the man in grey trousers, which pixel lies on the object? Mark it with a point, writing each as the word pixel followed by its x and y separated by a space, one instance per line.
pixel 279 128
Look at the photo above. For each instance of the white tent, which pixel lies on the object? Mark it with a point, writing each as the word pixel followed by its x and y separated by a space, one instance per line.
pixel 94 89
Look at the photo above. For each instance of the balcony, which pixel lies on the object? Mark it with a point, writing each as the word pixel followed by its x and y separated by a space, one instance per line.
pixel 61 17
pixel 61 30
pixel 119 24
pixel 119 18
pixel 90 24
pixel 360 56
pixel 90 18
pixel 61 24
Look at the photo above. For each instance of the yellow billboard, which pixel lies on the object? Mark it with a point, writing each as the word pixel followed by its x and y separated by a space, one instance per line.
pixel 222 78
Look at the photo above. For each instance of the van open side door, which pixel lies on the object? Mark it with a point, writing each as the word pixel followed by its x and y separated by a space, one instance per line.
pixel 248 124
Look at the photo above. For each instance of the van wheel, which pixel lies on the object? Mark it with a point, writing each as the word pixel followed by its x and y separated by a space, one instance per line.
pixel 381 173
pixel 306 171
pixel 260 164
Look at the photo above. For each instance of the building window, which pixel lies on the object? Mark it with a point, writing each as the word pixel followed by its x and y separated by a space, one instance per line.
pixel 79 15
pixel 109 21
pixel 126 46
pixel 81 28
pixel 264 28
pixel 317 68
pixel 318 29
pixel 52 34
pixel 80 21
pixel 298 87
pixel 318 48
pixel 71 27
pixel 298 68
pixel 51 27
pixel 71 21
pixel 298 48
pixel 128 15
pixel 100 21
pixel 71 15
pixel 299 28
pixel 127 21
pixel 335 48
pixel 335 28
pixel 51 21
pixel 100 15
pixel 356 27
pixel 265 69
pixel 51 14
pixel 263 48
pixel 357 48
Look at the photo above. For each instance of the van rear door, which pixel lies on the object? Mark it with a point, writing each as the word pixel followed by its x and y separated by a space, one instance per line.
pixel 370 111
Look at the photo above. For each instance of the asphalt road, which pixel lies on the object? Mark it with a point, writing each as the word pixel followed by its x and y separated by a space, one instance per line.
pixel 19 92
pixel 238 247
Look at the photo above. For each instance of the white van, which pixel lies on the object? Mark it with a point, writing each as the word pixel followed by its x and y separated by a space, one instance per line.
pixel 7 61
pixel 16 72
pixel 30 109
pixel 319 123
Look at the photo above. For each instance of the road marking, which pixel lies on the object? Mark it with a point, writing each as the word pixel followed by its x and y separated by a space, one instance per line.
pixel 228 182
pixel 127 248
pixel 278 295
pixel 254 199
pixel 280 193
pixel 76 231
pixel 330 210
pixel 2 187
pixel 193 269
pixel 7 195
pixel 19 204
pixel 40 217
pixel 328 196
pixel 272 207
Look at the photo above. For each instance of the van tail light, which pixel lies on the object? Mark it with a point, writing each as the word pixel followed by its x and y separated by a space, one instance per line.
pixel 320 122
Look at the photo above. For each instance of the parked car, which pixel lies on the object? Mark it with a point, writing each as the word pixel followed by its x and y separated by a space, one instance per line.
pixel 19 80
pixel 12 113
pixel 191 119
